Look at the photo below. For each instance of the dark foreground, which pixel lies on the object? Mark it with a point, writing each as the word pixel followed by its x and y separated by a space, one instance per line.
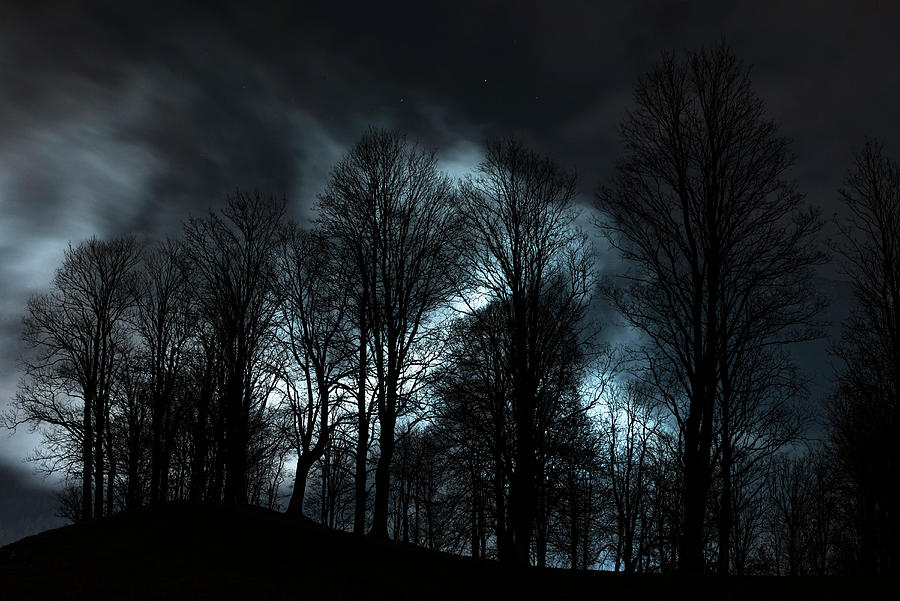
pixel 214 552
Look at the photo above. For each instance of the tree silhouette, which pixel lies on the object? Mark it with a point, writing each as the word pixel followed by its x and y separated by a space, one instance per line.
pixel 721 251
pixel 75 335
pixel 233 258
pixel 164 321
pixel 863 414
pixel 526 257
pixel 387 201
pixel 314 326
pixel 474 412
pixel 629 432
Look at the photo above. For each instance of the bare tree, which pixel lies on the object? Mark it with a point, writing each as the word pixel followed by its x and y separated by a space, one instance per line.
pixel 164 321
pixel 629 428
pixel 864 411
pixel 331 481
pixel 49 403
pixel 232 257
pixel 392 208
pixel 473 411
pixel 790 501
pixel 721 247
pixel 803 513
pixel 526 256
pixel 204 381
pixel 571 499
pixel 130 428
pixel 315 331
pixel 759 414
pixel 750 490
pixel 73 333
pixel 420 472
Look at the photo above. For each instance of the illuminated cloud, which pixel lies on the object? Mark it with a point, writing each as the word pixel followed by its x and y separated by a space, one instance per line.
pixel 116 120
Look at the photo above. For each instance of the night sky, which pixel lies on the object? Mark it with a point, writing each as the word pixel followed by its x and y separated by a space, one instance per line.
pixel 115 120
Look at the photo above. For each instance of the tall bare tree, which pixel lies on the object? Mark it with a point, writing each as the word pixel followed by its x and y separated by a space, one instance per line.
pixel 720 244
pixel 526 256
pixel 315 308
pixel 129 429
pixel 474 408
pixel 164 321
pixel 864 414
pixel 74 335
pixel 232 255
pixel 392 208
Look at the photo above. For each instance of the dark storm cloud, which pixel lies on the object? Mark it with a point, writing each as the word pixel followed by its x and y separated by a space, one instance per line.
pixel 120 121
pixel 116 119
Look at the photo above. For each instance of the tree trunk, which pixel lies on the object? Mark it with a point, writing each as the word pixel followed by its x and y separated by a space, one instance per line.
pixel 574 535
pixel 361 475
pixel 164 469
pixel 98 456
pixel 295 506
pixel 540 542
pixel 362 422
pixel 110 483
pixel 429 518
pixel 241 467
pixel 87 459
pixel 628 558
pixel 698 443
pixel 201 441
pixel 404 506
pixel 236 440
pixel 134 450
pixel 586 525
pixel 156 451
pixel 725 513
pixel 503 532
pixel 482 527
pixel 520 500
pixel 522 491
pixel 417 521
pixel 383 473
pixel 690 552
pixel 217 483
pixel 475 537
pixel 326 468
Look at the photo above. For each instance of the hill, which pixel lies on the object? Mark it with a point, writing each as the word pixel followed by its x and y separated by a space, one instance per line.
pixel 215 552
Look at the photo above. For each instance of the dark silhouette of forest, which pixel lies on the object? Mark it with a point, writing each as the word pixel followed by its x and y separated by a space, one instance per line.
pixel 427 353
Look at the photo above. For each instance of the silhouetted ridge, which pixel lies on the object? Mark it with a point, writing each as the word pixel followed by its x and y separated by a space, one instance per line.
pixel 188 551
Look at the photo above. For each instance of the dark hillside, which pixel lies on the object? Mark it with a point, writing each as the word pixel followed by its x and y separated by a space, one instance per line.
pixel 214 552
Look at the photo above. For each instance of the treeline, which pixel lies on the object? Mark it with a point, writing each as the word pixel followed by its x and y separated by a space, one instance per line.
pixel 422 363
